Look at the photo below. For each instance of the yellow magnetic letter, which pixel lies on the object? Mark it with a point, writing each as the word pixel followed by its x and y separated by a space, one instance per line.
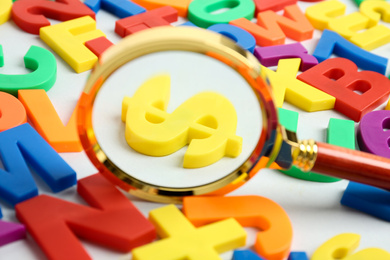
pixel 377 35
pixel 372 38
pixel 388 105
pixel 320 14
pixel 375 10
pixel 349 25
pixel 5 10
pixel 287 87
pixel 181 240
pixel 341 247
pixel 207 122
pixel 67 40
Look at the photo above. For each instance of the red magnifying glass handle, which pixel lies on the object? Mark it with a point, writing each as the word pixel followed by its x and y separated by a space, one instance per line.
pixel 352 165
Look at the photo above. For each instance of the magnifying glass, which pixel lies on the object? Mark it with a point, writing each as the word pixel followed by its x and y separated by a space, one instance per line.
pixel 177 52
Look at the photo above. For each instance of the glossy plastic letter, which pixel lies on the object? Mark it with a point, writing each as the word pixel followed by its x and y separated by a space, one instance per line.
pixel 111 221
pixel 356 93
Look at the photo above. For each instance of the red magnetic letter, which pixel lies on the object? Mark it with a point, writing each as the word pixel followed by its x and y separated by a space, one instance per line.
pixel 264 5
pixel 153 18
pixel 98 45
pixel 30 15
pixel 113 222
pixel 356 93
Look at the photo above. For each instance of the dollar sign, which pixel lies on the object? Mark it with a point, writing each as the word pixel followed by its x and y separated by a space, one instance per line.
pixel 206 121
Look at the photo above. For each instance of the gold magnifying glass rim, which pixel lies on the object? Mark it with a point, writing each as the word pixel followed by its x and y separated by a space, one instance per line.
pixel 168 38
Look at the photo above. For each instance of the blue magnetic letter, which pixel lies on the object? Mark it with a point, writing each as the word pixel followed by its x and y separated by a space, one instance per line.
pixel 240 36
pixel 298 256
pixel 119 8
pixel 21 145
pixel 331 42
pixel 245 255
pixel 368 199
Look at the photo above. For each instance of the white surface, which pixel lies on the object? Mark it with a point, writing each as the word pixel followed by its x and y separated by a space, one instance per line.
pixel 314 208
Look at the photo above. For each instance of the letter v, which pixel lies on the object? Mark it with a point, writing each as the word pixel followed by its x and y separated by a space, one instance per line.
pixel 47 122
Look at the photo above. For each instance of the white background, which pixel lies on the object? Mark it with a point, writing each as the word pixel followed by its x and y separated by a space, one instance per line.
pixel 314 208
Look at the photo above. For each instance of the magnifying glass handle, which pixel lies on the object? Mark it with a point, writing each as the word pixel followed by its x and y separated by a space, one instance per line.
pixel 352 165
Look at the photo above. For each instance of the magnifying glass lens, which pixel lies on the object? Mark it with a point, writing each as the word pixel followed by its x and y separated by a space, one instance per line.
pixel 187 75
pixel 181 87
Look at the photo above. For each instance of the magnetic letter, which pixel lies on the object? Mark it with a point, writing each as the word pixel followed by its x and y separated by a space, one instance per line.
pixel 5 10
pixel 12 112
pixel 274 239
pixel 10 232
pixel 120 8
pixel 181 240
pixel 98 45
pixel 349 25
pixel 373 135
pixel 68 38
pixel 372 38
pixel 286 87
pixel 265 5
pixel 332 43
pixel 181 6
pixel 21 145
pixel 375 10
pixel 43 76
pixel 356 93
pixel 298 256
pixel 240 36
pixel 30 15
pixel 204 13
pixel 270 56
pixel 157 17
pixel 272 29
pixel 112 221
pixel 47 122
pixel 342 246
pixel 322 13
pixel 245 255
pixel 367 199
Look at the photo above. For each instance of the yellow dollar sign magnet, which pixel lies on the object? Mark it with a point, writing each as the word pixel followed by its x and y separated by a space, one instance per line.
pixel 206 122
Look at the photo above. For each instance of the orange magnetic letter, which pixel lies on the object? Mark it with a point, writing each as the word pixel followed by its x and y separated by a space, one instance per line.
pixel 46 121
pixel 181 6
pixel 12 112
pixel 272 243
pixel 272 28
